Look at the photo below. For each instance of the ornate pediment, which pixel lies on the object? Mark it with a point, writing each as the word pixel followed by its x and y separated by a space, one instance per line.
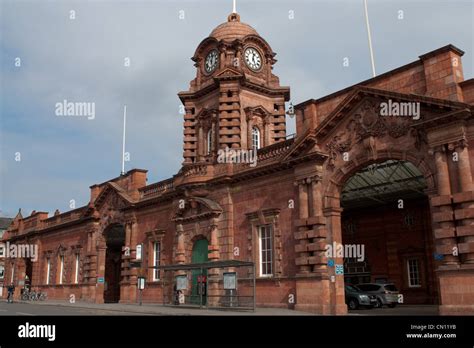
pixel 365 123
pixel 364 105
pixel 196 208
pixel 112 195
pixel 257 111
pixel 228 74
pixel 109 204
pixel 206 117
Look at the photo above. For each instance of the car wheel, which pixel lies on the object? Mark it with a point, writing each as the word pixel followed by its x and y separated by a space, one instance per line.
pixel 353 304
pixel 392 305
pixel 379 303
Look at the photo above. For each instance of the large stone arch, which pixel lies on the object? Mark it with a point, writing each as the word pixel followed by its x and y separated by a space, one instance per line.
pixel 339 176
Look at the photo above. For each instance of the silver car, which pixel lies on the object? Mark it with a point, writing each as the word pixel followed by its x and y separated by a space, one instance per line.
pixel 387 294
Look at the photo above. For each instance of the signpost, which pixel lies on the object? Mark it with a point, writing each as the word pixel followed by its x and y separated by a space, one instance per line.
pixel 181 282
pixel 141 286
pixel 230 286
pixel 230 281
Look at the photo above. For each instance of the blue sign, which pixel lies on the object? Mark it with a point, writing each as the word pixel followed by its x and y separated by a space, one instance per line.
pixel 100 280
pixel 331 263
pixel 339 269
pixel 439 257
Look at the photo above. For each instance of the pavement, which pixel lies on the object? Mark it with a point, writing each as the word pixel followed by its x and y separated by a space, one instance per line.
pixel 84 308
pixel 51 307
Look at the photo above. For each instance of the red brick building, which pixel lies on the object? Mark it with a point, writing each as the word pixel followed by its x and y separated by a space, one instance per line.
pixel 401 186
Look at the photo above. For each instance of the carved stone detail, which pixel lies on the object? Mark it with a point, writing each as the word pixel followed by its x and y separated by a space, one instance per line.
pixel 366 125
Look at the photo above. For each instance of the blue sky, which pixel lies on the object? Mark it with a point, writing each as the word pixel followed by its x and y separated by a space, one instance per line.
pixel 82 60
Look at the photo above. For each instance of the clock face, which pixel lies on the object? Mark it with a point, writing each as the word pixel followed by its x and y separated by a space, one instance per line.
pixel 211 62
pixel 253 59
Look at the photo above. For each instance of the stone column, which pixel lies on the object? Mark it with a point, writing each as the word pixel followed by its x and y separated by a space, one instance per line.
pixel 303 199
pixel 445 234
pixel 125 267
pixel 180 258
pixel 465 232
pixel 213 274
pixel 214 245
pixel 317 196
pixel 464 165
pixel 337 292
pixel 201 144
pixel 91 264
pixel 101 252
pixel 317 221
pixel 302 260
pixel 133 271
pixel 180 250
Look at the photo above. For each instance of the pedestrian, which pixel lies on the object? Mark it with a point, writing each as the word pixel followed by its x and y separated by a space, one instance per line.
pixel 11 292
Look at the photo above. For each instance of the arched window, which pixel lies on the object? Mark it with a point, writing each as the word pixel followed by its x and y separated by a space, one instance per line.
pixel 255 138
pixel 209 141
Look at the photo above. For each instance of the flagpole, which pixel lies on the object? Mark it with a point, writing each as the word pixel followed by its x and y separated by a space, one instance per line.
pixel 370 38
pixel 234 6
pixel 123 139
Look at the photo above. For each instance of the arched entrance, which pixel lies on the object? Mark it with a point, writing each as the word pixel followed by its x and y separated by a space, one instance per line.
pixel 386 231
pixel 199 280
pixel 28 272
pixel 115 240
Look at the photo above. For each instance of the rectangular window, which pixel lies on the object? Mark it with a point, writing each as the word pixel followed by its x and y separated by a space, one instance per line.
pixel 61 269
pixel 2 250
pixel 48 270
pixel 2 272
pixel 414 280
pixel 266 250
pixel 156 260
pixel 76 274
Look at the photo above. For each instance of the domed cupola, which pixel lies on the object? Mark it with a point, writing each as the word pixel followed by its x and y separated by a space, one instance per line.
pixel 232 29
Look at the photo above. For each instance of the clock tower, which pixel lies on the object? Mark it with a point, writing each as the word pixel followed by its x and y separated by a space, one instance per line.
pixel 235 100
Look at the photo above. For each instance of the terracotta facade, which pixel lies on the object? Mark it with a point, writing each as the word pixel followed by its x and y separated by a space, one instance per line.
pixel 295 186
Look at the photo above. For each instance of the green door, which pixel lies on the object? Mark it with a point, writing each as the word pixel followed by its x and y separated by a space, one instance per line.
pixel 200 250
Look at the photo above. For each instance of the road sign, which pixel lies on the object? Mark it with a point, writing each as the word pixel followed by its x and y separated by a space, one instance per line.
pixel 100 280
pixel 339 269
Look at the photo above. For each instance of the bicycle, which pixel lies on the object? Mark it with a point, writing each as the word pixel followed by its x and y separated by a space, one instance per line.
pixel 25 295
pixel 33 296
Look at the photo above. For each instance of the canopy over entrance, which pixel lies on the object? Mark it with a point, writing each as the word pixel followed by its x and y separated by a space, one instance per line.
pixel 380 183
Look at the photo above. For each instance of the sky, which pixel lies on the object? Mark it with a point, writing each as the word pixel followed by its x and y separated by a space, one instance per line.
pixel 48 162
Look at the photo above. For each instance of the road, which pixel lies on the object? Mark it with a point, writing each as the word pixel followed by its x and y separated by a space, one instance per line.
pixel 32 309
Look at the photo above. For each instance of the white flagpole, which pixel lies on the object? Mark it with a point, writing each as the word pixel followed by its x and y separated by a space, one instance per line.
pixel 123 139
pixel 234 7
pixel 370 38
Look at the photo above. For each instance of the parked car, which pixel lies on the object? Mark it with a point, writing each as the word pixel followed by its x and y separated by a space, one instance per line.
pixel 387 294
pixel 356 298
